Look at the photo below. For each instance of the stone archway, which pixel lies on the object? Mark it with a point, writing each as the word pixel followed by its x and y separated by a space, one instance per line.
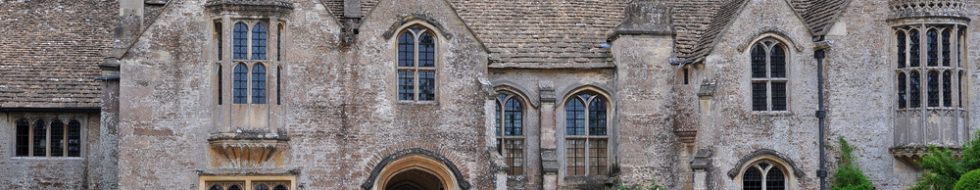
pixel 415 169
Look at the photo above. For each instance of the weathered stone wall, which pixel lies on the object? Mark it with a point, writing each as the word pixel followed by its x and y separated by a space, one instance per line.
pixel 50 172
pixel 734 132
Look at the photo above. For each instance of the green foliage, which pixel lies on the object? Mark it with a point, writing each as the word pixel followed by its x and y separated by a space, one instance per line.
pixel 943 169
pixel 653 186
pixel 969 181
pixel 849 176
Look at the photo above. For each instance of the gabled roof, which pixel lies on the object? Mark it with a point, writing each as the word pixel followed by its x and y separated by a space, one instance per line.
pixel 820 15
pixel 50 52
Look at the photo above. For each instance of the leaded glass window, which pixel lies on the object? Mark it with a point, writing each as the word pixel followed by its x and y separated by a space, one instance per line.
pixel 902 56
pixel 510 131
pixel 416 64
pixel 240 84
pixel 933 88
pixel 769 76
pixel 586 137
pixel 938 73
pixel 47 139
pixel 259 35
pixel 915 90
pixel 258 84
pixel 763 175
pixel 23 137
pixel 240 41
pixel 74 142
pixel 57 140
pixel 40 138
pixel 902 94
pixel 932 48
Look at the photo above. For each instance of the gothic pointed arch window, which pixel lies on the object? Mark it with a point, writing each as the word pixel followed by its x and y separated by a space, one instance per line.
pixel 417 64
pixel 23 137
pixel 40 138
pixel 510 131
pixel 769 76
pixel 764 175
pixel 50 137
pixel 935 68
pixel 586 134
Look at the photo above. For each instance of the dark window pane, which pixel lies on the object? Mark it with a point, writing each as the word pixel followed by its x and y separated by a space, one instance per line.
pixel 406 85
pixel 259 36
pixel 57 140
pixel 752 179
pixel 497 122
pixel 216 187
pixel 759 61
pixel 280 187
pixel 240 41
pixel 234 187
pixel 23 137
pixel 427 85
pixel 427 50
pixel 962 86
pixel 779 96
pixel 40 138
pixel 933 91
pixel 74 139
pixel 258 84
pixel 514 118
pixel 915 90
pixel 932 47
pixel 575 157
pixel 914 48
pixel 597 157
pixel 597 117
pixel 574 117
pixel 279 85
pixel 406 50
pixel 218 38
pixel 901 49
pixel 221 84
pixel 279 43
pixel 902 95
pixel 778 61
pixel 759 97
pixel 947 89
pixel 261 187
pixel 946 48
pixel 775 179
pixel 240 84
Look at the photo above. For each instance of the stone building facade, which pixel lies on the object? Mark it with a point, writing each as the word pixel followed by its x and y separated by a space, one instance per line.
pixel 478 94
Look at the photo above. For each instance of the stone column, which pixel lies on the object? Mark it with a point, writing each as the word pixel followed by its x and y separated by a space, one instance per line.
pixel 549 153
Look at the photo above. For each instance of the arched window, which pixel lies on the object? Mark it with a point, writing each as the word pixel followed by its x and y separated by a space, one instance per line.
pixel 946 48
pixel 932 48
pixel 258 84
pixel 769 76
pixel 279 43
pixel 915 90
pixel 764 175
pixel 40 138
pixel 221 85
pixel 933 88
pixel 241 84
pixel 947 89
pixel 280 187
pixel 902 94
pixel 234 187
pixel 216 187
pixel 901 49
pixel 240 41
pixel 510 131
pixel 57 140
pixel 218 38
pixel 914 58
pixel 74 139
pixel 261 187
pixel 586 138
pixel 279 85
pixel 23 137
pixel 416 64
pixel 259 36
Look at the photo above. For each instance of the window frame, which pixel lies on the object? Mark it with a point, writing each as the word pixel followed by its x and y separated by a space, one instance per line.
pixel 764 173
pixel 500 126
pixel 416 69
pixel 274 32
pixel 48 120
pixel 587 138
pixel 947 37
pixel 769 43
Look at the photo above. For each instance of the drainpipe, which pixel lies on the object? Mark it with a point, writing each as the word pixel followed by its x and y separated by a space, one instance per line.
pixel 819 53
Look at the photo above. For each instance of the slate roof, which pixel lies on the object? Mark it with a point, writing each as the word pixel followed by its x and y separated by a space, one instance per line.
pixel 50 51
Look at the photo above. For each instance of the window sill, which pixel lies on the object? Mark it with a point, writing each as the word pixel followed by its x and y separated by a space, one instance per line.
pixel 45 158
pixel 405 102
pixel 772 113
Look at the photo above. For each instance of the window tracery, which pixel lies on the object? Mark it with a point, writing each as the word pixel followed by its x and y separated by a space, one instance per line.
pixel 586 137
pixel 769 78
pixel 416 64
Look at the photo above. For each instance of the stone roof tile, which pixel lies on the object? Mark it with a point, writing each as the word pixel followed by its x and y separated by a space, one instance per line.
pixel 51 50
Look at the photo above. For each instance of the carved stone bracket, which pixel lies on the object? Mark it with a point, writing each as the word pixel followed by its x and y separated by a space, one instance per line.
pixel 912 154
pixel 248 149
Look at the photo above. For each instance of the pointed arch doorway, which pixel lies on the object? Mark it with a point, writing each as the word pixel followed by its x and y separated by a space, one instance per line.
pixel 415 169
